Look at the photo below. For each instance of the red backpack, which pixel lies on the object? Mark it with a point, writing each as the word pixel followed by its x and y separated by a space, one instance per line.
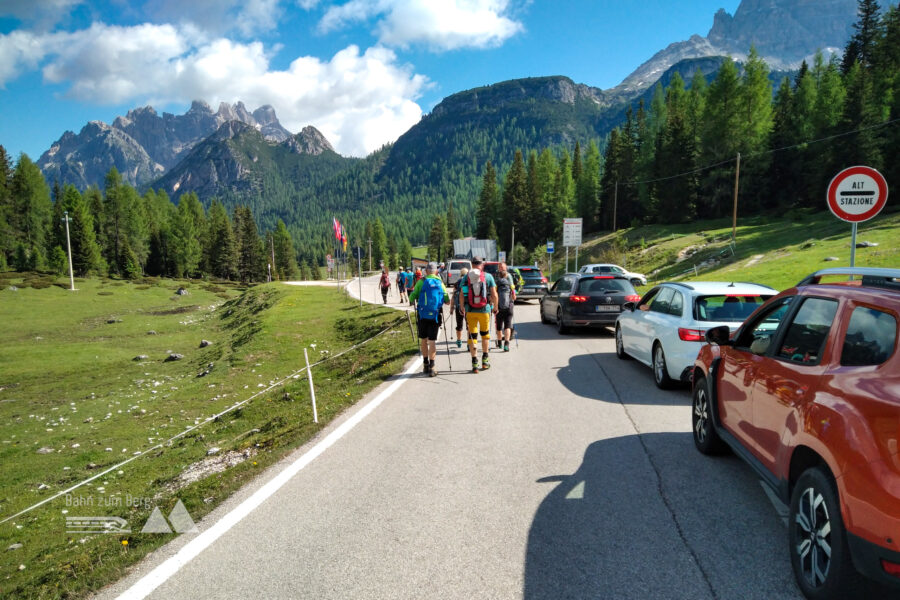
pixel 478 292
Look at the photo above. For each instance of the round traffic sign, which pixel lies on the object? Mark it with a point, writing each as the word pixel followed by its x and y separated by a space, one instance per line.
pixel 857 194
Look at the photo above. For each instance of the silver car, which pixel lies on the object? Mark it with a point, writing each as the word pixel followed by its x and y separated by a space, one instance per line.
pixel 611 269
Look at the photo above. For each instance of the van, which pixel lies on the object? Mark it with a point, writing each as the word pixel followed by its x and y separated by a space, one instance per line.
pixel 454 267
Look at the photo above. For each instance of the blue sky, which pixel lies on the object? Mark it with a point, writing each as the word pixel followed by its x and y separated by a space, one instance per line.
pixel 361 71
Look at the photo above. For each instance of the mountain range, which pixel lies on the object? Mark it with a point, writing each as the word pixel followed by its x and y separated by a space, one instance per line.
pixel 243 157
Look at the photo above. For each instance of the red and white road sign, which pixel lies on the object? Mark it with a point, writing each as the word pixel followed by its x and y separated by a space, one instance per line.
pixel 857 194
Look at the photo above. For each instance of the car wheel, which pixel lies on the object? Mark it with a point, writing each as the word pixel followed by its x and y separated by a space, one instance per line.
pixel 562 329
pixel 817 540
pixel 660 371
pixel 620 345
pixel 544 318
pixel 706 439
pixel 636 282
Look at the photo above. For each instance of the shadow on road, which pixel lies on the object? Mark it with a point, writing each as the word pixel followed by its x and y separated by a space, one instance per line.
pixel 608 531
pixel 535 330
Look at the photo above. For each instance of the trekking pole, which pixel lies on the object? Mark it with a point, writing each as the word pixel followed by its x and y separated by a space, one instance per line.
pixel 515 331
pixel 411 332
pixel 446 341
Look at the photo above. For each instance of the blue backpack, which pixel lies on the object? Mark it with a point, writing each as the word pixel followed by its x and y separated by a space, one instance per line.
pixel 430 299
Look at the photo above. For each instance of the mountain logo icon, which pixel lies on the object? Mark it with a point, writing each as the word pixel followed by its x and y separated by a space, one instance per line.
pixel 180 519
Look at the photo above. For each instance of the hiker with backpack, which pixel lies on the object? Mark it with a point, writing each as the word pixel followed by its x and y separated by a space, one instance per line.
pixel 479 301
pixel 506 297
pixel 430 298
pixel 385 284
pixel 457 305
pixel 401 285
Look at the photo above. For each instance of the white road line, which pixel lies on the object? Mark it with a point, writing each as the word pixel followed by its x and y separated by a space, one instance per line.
pixel 152 580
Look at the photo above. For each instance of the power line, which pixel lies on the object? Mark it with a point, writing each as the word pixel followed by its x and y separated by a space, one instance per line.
pixel 763 152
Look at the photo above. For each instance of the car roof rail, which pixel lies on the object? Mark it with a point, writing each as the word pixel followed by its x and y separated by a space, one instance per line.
pixel 871 276
pixel 679 283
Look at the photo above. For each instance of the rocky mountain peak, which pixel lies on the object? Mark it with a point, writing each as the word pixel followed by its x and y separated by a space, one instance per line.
pixel 309 141
pixel 199 106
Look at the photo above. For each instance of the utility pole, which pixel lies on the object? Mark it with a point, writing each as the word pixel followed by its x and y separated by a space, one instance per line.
pixel 737 177
pixel 512 253
pixel 615 204
pixel 69 246
pixel 272 241
pixel 370 253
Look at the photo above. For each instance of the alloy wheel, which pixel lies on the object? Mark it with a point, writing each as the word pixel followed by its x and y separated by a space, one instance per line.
pixel 701 416
pixel 812 526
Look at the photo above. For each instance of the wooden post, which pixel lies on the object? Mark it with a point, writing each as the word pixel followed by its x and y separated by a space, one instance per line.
pixel 737 177
pixel 615 205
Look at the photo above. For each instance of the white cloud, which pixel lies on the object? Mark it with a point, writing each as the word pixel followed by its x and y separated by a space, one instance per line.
pixel 217 16
pixel 360 101
pixel 41 14
pixel 439 24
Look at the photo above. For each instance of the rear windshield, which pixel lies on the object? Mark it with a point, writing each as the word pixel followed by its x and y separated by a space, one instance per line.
pixel 729 308
pixel 456 266
pixel 491 268
pixel 589 285
pixel 607 269
pixel 530 273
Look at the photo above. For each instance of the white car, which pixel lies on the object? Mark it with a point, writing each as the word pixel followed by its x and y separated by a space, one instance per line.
pixel 611 269
pixel 666 328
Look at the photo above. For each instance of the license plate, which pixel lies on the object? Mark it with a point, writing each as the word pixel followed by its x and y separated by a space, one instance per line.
pixel 607 308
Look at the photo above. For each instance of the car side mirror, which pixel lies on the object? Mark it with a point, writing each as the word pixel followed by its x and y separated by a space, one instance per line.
pixel 629 306
pixel 719 335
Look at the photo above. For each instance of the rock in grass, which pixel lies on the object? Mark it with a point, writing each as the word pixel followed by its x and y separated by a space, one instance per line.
pixel 45 450
pixel 182 292
pixel 43 486
pixel 213 450
pixel 151 332
pixel 15 546
pixel 114 320
pixel 205 343
pixel 140 357
pixel 831 258
pixel 173 357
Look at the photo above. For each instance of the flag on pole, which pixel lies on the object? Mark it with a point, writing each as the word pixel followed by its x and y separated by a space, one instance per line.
pixel 343 238
pixel 336 225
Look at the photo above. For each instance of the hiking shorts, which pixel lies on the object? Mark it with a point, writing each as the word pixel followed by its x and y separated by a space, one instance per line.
pixel 479 323
pixel 504 319
pixel 429 329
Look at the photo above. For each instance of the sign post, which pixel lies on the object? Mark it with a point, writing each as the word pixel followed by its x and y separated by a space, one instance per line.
pixel 572 237
pixel 550 249
pixel 857 194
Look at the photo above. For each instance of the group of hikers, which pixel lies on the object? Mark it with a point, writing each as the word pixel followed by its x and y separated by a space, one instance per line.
pixel 477 296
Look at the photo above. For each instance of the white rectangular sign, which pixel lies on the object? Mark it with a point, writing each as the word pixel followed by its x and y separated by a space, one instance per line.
pixel 572 232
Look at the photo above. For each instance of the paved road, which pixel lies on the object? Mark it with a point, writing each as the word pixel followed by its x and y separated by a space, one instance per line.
pixel 562 472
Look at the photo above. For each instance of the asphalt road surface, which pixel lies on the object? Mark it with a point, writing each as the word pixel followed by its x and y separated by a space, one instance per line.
pixel 562 472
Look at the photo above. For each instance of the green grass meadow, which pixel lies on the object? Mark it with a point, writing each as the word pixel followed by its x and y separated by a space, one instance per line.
pixel 73 402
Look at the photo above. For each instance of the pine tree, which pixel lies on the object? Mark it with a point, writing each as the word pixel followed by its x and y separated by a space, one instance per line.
pixel 249 247
pixel 58 262
pixel 285 256
pixel 31 209
pixel 86 258
pixel 6 231
pixel 563 196
pixel 392 253
pixel 452 227
pixel 866 31
pixel 437 239
pixel 721 140
pixel 405 254
pixel 379 244
pixel 187 251
pixel 515 197
pixel 755 127
pixel 587 189
pixel 488 201
pixel 129 267
pixel 220 252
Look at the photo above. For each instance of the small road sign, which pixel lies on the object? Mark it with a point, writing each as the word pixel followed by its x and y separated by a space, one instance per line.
pixel 572 232
pixel 549 247
pixel 857 194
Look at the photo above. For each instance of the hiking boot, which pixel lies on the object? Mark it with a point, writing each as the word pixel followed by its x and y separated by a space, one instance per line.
pixel 474 365
pixel 499 344
pixel 459 343
pixel 426 368
pixel 506 347
pixel 433 372
pixel 485 363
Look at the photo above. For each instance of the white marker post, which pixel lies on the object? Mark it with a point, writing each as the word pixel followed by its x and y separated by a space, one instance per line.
pixel 69 246
pixel 312 390
pixel 857 194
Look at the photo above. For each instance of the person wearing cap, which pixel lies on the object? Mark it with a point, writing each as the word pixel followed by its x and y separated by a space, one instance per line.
pixel 506 298
pixel 401 284
pixel 479 286
pixel 429 317
pixel 457 305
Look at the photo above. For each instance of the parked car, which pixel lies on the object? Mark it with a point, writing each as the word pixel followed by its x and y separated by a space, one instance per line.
pixel 665 329
pixel 454 266
pixel 581 300
pixel 611 269
pixel 808 393
pixel 532 283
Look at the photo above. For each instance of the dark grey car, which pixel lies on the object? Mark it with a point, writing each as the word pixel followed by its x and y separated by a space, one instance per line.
pixel 533 283
pixel 586 300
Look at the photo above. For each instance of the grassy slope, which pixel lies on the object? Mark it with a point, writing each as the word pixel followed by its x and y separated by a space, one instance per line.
pixel 67 377
pixel 775 252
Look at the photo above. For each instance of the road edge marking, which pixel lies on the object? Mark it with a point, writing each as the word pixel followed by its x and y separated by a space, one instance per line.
pixel 160 574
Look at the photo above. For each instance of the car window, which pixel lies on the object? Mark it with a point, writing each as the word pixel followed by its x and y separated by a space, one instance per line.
pixel 649 297
pixel 676 305
pixel 727 307
pixel 589 285
pixel 456 266
pixel 806 335
pixel 562 285
pixel 757 335
pixel 661 303
pixel 870 339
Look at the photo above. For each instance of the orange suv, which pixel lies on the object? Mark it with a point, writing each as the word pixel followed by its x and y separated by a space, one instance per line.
pixel 807 392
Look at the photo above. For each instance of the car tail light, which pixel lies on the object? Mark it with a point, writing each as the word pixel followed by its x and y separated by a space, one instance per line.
pixel 632 298
pixel 603 277
pixel 691 335
pixel 578 298
pixel 543 280
pixel 890 568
